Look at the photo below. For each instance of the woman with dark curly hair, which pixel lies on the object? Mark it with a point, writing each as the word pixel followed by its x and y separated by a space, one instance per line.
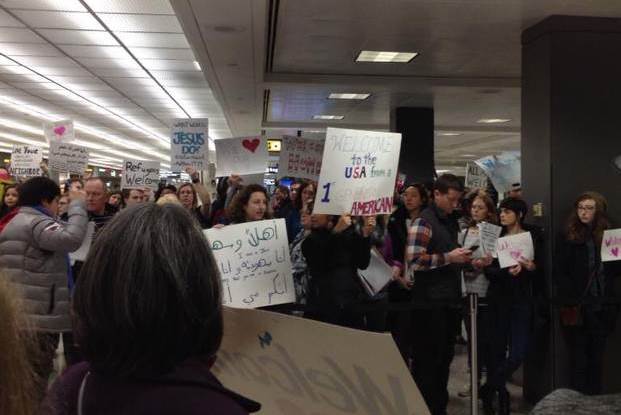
pixel 249 204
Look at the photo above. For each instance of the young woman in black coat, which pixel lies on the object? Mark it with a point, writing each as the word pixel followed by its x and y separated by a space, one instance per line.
pixel 583 277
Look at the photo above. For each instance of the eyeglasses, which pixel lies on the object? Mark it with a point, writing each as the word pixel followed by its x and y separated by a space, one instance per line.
pixel 586 208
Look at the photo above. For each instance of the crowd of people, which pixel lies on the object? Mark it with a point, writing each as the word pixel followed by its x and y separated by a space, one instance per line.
pixel 141 317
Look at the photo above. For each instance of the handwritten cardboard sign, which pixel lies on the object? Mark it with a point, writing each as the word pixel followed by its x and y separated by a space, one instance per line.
pixel 241 155
pixel 489 234
pixel 358 172
pixel 138 174
pixel 26 160
pixel 189 144
pixel 59 131
pixel 475 177
pixel 503 170
pixel 304 367
pixel 254 263
pixel 611 245
pixel 513 248
pixel 300 157
pixel 67 158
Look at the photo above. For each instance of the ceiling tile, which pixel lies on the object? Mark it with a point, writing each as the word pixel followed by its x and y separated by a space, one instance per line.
pixel 60 5
pixel 29 49
pixel 153 40
pixel 58 20
pixel 141 23
pixel 17 35
pixel 131 6
pixel 159 53
pixel 6 20
pixel 77 37
pixel 95 51
pixel 168 65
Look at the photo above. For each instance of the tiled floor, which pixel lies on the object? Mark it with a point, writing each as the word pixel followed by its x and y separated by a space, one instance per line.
pixel 460 377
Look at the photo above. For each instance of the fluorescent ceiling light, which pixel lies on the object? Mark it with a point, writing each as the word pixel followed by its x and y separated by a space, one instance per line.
pixel 449 134
pixel 19 139
pixel 493 120
pixel 197 65
pixel 383 56
pixel 348 96
pixel 19 126
pixel 443 171
pixel 468 155
pixel 328 117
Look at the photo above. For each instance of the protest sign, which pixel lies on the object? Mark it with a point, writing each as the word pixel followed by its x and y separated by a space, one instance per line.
pixel 358 172
pixel 489 234
pixel 258 178
pixel 377 275
pixel 475 177
pixel 513 248
pixel 611 245
pixel 82 252
pixel 300 157
pixel 254 263
pixel 304 367
pixel 189 144
pixel 241 155
pixel 26 160
pixel 67 158
pixel 503 170
pixel 138 174
pixel 59 131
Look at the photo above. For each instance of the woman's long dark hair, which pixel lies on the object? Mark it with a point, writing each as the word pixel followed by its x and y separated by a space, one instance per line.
pixel 236 212
pixel 149 294
pixel 579 232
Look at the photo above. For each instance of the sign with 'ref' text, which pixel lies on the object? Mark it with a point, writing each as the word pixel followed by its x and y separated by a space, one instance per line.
pixel 300 366
pixel 254 263
pixel 358 172
pixel 138 174
pixel 189 144
pixel 300 157
pixel 26 161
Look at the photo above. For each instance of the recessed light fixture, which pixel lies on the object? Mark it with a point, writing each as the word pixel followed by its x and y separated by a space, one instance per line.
pixel 449 134
pixel 328 117
pixel 348 95
pixel 383 56
pixel 493 120
pixel 468 155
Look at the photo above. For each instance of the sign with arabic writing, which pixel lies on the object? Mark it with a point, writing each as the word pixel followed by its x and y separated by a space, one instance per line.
pixel 254 263
pixel 68 158
pixel 300 157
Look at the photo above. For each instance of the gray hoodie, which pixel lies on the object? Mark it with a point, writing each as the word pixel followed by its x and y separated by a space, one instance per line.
pixel 33 256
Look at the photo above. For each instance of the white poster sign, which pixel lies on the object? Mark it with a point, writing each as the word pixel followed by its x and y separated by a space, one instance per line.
pixel 82 252
pixel 26 160
pixel 377 275
pixel 611 245
pixel 358 172
pixel 241 155
pixel 68 158
pixel 503 170
pixel 189 144
pixel 138 174
pixel 296 366
pixel 475 177
pixel 489 234
pixel 300 157
pixel 59 131
pixel 254 263
pixel 514 248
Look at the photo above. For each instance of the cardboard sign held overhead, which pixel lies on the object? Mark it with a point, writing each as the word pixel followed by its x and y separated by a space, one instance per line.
pixel 59 131
pixel 138 174
pixel 241 155
pixel 189 144
pixel 475 177
pixel 358 172
pixel 254 263
pixel 26 161
pixel 503 170
pixel 300 157
pixel 611 245
pixel 68 158
pixel 296 366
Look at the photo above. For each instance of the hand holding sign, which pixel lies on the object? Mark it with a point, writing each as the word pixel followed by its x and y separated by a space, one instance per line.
pixel 516 250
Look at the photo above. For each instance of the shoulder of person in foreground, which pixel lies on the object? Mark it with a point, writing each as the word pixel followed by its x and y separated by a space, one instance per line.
pixel 190 389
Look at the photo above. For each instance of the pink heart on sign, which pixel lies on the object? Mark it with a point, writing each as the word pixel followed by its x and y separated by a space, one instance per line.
pixel 251 144
pixel 516 254
pixel 60 130
pixel 615 251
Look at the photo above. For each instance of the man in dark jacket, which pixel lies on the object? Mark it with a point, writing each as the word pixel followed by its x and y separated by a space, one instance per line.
pixel 433 257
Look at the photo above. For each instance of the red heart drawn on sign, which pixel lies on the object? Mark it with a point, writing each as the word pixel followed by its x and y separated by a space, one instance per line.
pixel 251 144
pixel 516 254
pixel 615 251
pixel 60 130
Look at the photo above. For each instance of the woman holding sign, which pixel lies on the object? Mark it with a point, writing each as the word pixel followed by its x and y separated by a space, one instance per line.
pixel 249 204
pixel 510 293
pixel 581 275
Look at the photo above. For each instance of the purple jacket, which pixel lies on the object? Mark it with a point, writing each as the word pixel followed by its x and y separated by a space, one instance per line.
pixel 190 389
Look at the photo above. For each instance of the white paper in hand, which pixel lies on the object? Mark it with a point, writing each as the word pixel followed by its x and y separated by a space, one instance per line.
pixel 82 252
pixel 513 248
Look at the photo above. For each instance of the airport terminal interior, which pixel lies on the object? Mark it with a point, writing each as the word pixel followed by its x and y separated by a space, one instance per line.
pixel 310 207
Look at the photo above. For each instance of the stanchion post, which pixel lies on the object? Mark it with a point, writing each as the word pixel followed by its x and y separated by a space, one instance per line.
pixel 473 300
